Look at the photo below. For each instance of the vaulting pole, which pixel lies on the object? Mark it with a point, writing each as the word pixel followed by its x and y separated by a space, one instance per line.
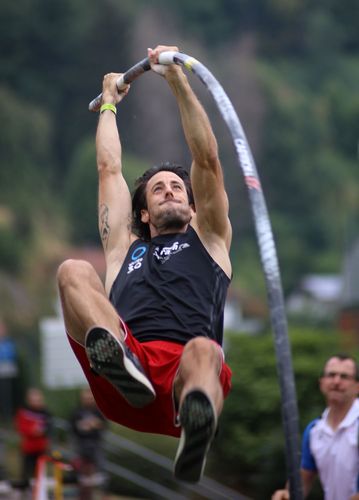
pixel 266 245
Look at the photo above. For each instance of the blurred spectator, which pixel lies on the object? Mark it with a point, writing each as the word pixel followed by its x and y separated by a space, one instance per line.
pixel 330 442
pixel 88 426
pixel 8 373
pixel 34 425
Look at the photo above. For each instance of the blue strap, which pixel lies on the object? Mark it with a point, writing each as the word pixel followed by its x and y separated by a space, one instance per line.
pixel 308 461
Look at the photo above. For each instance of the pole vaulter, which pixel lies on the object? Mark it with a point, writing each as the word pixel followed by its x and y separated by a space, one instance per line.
pixel 267 249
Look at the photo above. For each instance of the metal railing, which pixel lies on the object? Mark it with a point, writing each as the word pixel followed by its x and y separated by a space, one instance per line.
pixel 115 445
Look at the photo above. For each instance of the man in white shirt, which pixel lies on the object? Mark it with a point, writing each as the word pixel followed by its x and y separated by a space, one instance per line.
pixel 330 444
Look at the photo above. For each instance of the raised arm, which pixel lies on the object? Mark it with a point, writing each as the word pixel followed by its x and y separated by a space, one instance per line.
pixel 210 197
pixel 114 200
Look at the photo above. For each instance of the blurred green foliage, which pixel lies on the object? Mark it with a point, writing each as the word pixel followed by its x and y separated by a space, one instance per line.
pixel 304 62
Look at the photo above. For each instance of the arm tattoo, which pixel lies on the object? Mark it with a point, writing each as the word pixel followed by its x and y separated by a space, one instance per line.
pixel 104 225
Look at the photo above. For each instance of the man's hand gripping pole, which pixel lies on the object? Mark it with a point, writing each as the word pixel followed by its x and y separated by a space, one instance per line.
pixel 134 72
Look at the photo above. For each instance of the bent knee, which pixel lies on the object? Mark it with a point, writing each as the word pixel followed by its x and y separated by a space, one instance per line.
pixel 72 270
pixel 202 346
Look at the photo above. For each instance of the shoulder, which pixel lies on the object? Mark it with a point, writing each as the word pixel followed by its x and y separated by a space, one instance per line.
pixel 216 247
pixel 355 406
pixel 307 432
pixel 311 424
pixel 116 259
pixel 308 461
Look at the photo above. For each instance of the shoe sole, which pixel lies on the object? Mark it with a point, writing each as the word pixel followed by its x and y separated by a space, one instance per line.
pixel 199 423
pixel 108 358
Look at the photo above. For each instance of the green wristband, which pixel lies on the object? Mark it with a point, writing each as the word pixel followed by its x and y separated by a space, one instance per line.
pixel 109 106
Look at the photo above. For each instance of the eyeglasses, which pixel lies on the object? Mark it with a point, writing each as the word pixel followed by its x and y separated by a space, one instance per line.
pixel 342 376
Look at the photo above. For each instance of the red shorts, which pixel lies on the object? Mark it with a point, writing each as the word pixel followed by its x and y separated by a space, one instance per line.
pixel 160 360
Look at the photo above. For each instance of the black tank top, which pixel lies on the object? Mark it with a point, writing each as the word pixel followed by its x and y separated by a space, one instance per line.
pixel 171 289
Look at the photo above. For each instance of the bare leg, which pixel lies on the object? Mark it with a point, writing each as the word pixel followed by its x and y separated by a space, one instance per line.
pixel 199 392
pixel 84 301
pixel 91 319
pixel 199 369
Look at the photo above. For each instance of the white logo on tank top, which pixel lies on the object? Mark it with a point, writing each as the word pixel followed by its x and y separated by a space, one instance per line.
pixel 164 253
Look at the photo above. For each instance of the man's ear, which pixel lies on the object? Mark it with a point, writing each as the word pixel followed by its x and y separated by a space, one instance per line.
pixel 193 208
pixel 145 217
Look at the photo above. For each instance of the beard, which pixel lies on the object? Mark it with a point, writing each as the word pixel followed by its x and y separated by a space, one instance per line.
pixel 171 218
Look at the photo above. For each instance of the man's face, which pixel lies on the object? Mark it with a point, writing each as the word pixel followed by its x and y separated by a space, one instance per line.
pixel 168 209
pixel 35 399
pixel 338 383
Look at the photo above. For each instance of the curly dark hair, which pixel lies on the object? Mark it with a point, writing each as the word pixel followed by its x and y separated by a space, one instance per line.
pixel 139 194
